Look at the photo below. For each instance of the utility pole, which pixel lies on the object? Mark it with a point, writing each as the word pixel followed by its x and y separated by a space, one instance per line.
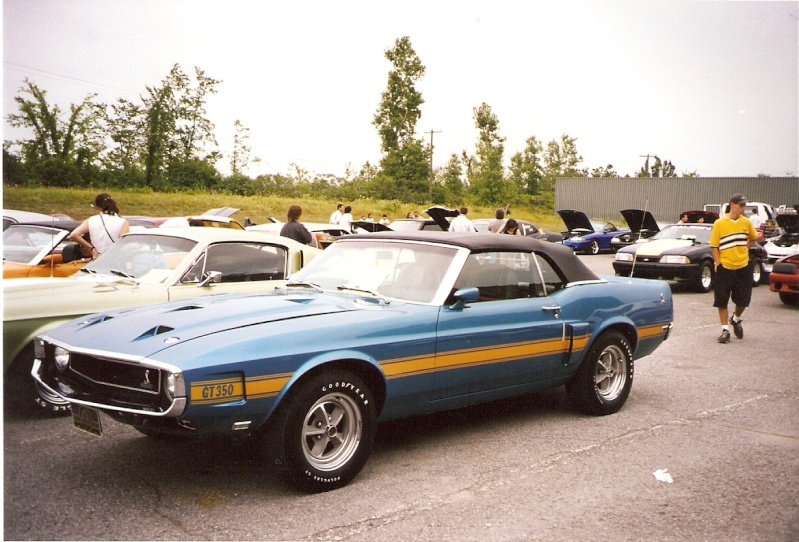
pixel 646 164
pixel 430 180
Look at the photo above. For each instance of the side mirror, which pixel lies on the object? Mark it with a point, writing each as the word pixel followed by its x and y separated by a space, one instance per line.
pixel 209 277
pixel 464 296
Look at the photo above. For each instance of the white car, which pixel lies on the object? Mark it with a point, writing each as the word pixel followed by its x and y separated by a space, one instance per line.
pixel 142 268
pixel 787 243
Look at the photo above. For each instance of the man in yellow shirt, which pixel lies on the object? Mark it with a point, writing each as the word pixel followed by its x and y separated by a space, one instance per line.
pixel 730 239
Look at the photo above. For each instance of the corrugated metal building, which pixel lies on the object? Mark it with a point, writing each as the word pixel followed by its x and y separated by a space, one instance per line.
pixel 666 198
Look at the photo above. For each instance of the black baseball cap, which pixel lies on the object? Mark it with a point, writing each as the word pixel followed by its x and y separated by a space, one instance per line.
pixel 740 199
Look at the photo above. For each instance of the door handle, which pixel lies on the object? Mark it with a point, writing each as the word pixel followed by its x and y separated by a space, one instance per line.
pixel 555 310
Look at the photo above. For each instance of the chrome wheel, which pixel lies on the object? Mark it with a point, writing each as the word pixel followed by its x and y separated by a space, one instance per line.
pixel 331 432
pixel 611 373
pixel 705 278
pixel 757 272
pixel 603 381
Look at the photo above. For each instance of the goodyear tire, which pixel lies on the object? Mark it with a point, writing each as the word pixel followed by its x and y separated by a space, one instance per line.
pixel 49 404
pixel 603 381
pixel 329 431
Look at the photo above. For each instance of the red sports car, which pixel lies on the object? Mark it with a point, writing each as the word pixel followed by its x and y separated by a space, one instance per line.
pixel 784 278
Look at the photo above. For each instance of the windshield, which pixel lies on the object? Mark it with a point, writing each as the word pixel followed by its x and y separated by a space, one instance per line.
pixel 27 244
pixel 398 270
pixel 674 231
pixel 151 257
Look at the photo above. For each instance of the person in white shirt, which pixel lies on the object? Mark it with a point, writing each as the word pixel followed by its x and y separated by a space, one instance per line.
pixel 460 223
pixel 335 218
pixel 104 228
pixel 346 219
pixel 384 220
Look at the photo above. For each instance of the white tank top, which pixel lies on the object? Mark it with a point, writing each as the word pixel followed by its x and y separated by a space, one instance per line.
pixel 104 230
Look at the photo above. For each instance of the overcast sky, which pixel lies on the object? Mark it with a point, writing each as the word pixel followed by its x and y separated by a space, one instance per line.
pixel 711 86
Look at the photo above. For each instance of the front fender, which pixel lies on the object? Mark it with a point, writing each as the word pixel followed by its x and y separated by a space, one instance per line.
pixel 319 363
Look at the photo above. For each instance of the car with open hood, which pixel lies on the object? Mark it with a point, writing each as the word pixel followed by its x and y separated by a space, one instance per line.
pixel 679 252
pixel 41 250
pixel 141 268
pixel 786 243
pixel 403 324
pixel 438 221
pixel 587 236
pixel 642 226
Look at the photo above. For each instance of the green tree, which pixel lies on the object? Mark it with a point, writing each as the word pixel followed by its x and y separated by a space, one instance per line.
pixel 405 170
pixel 526 170
pixel 560 160
pixel 65 144
pixel 126 130
pixel 450 177
pixel 657 168
pixel 175 123
pixel 606 171
pixel 485 172
pixel 241 156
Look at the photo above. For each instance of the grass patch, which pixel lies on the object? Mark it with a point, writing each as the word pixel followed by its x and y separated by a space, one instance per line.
pixel 75 202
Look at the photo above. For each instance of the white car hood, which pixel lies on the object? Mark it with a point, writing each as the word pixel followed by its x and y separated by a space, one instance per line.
pixel 49 297
pixel 659 246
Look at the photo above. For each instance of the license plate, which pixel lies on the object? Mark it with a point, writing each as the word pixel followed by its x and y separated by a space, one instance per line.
pixel 87 419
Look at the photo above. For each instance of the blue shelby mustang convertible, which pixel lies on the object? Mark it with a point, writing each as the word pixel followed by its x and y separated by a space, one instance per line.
pixel 380 326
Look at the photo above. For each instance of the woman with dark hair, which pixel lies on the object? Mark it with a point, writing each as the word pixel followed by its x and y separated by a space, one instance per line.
pixel 293 229
pixel 511 227
pixel 104 228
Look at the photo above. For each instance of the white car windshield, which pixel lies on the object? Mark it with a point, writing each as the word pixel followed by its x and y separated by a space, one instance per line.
pixel 397 270
pixel 28 244
pixel 675 231
pixel 142 256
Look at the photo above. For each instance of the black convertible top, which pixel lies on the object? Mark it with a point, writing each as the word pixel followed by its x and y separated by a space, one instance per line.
pixel 561 255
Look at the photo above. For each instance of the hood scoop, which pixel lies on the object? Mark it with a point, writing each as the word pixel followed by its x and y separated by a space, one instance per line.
pixel 157 330
pixel 95 321
pixel 189 308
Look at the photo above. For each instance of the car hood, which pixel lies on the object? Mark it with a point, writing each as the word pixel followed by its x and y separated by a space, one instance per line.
pixel 575 220
pixel 48 297
pixel 440 215
pixel 144 331
pixel 708 216
pixel 370 226
pixel 661 246
pixel 638 219
pixel 788 221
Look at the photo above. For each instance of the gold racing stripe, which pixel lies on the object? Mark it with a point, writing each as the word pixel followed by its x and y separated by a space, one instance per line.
pixel 265 386
pixel 473 357
pixel 261 387
pixel 648 332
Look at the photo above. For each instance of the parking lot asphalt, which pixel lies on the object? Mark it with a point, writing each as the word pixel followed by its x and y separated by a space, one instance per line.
pixel 706 448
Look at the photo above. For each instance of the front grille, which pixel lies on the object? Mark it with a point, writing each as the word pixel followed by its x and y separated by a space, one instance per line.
pixel 110 382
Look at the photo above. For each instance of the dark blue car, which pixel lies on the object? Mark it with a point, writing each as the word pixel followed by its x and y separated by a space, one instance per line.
pixel 585 236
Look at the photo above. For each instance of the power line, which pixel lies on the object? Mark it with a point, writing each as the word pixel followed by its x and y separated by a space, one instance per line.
pixel 67 77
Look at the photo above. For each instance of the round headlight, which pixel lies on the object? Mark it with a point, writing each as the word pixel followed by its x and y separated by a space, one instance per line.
pixel 61 358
